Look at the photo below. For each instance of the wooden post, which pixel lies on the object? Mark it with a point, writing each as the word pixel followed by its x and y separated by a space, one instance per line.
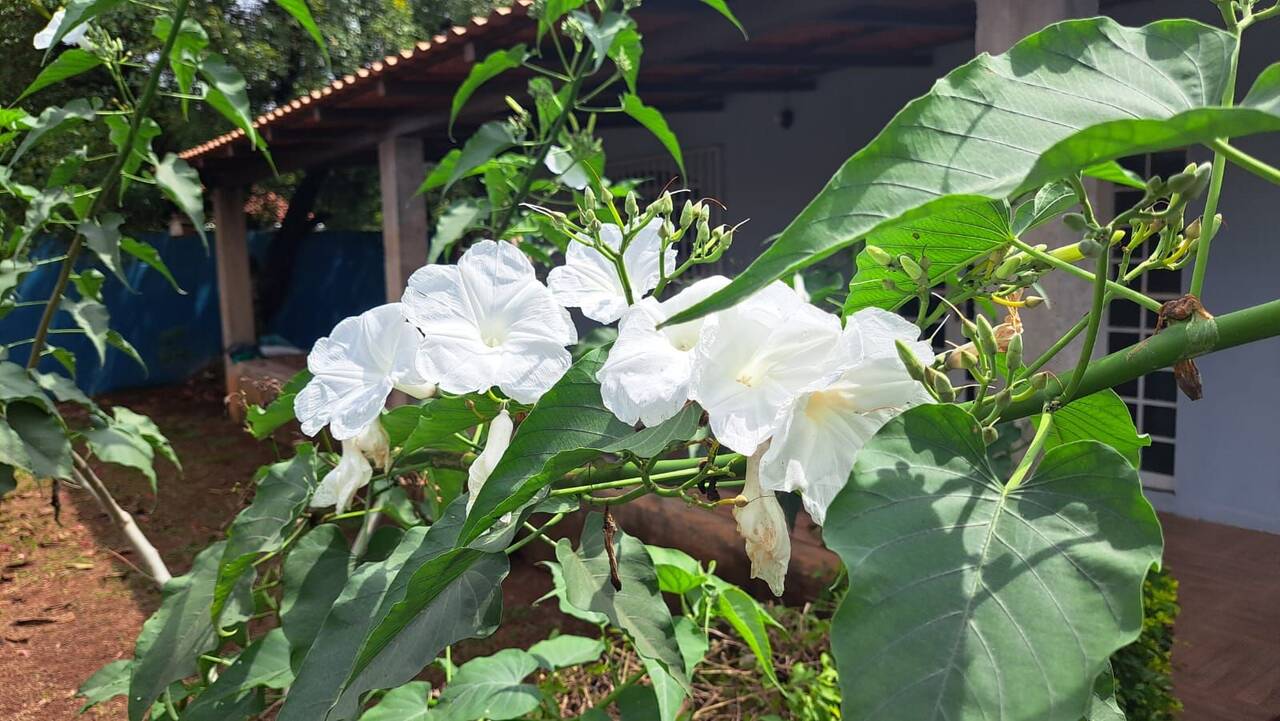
pixel 404 212
pixel 1001 24
pixel 235 290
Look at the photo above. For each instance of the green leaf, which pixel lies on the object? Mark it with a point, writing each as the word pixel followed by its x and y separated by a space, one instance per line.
pixel 12 271
pixel 637 607
pixel 951 240
pixel 638 703
pixel 118 129
pixel 147 429
pixel 490 687
pixel 147 253
pixel 1104 706
pixel 281 496
pixel 79 12
pixel 17 384
pixel 1050 201
pixel 1113 172
pixel 103 238
pixel 552 11
pixel 565 651
pixel 69 64
pixel 300 12
pixel 88 283
pixel 497 63
pixel 263 664
pixel 176 634
pixel 560 592
pixel 453 224
pixel 34 440
pixel 8 481
pixel 262 422
pixel 1101 417
pixel 117 341
pixel 492 138
pixel 406 703
pixel 1071 96
pixel 969 600
pixel 62 388
pixel 678 572
pixel 181 184
pixel 113 444
pixel 723 8
pixel 92 318
pixel 745 615
pixel 601 34
pixel 51 119
pixel 625 53
pixel 106 683
pixel 653 121
pixel 315 572
pixel 228 94
pixel 438 419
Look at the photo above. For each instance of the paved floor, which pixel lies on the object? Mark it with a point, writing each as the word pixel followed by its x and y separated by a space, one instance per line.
pixel 1227 650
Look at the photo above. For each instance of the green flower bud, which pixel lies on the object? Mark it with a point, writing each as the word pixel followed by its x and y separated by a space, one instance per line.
pixel 879 255
pixel 704 232
pixel 1032 301
pixel 588 198
pixel 632 204
pixel 986 336
pixel 1001 401
pixel 687 214
pixel 1039 381
pixel 1181 182
pixel 1013 354
pixel 1155 186
pixel 1076 222
pixel 990 435
pixel 912 269
pixel 941 385
pixel 705 212
pixel 1008 267
pixel 914 367
pixel 1090 248
pixel 1204 173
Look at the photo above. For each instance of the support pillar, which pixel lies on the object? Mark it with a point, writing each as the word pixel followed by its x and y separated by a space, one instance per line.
pixel 1001 24
pixel 235 289
pixel 401 169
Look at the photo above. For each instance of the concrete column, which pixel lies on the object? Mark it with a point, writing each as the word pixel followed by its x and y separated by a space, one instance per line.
pixel 235 289
pixel 1001 24
pixel 404 212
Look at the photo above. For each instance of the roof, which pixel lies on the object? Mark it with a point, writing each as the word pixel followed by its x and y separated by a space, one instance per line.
pixel 692 60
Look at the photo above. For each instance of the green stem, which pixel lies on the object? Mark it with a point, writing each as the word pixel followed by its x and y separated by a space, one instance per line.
pixel 1258 167
pixel 1095 322
pixel 1160 351
pixel 1033 452
pixel 1118 289
pixel 535 532
pixel 1209 221
pixel 108 181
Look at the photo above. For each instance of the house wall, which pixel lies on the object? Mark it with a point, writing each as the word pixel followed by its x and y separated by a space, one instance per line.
pixel 1228 451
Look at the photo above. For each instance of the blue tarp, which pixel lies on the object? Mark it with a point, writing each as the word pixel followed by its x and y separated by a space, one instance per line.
pixel 337 274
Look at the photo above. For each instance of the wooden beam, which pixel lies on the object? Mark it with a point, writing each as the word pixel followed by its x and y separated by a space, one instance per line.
pixel 830 61
pixel 401 169
pixel 235 289
pixel 397 88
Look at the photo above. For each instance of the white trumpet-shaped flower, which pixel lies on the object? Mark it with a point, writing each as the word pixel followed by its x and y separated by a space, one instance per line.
pixel 755 357
pixel 496 445
pixel 355 368
pixel 647 374
pixel 487 322
pixel 570 172
pixel 763 526
pixel 340 484
pixel 819 433
pixel 375 444
pixel 43 39
pixel 590 281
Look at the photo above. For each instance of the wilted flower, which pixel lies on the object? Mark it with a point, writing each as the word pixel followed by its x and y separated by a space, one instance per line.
pixel 647 374
pixel 590 281
pixel 819 433
pixel 755 357
pixel 487 322
pixel 340 484
pixel 374 443
pixel 570 172
pixel 44 38
pixel 355 368
pixel 496 445
pixel 763 526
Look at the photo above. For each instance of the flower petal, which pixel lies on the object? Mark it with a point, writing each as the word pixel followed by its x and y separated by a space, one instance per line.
pixel 528 369
pixel 588 281
pixel 763 526
pixel 497 443
pixel 340 484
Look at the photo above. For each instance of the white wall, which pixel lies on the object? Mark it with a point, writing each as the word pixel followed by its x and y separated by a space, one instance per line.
pixel 1228 456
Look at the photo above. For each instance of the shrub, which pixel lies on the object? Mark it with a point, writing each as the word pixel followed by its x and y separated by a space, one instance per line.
pixel 1143 668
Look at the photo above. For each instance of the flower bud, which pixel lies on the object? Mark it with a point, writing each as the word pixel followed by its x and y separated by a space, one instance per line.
pixel 986 336
pixel 963 357
pixel 632 204
pixel 914 367
pixel 1001 402
pixel 516 107
pixel 705 212
pixel 1008 267
pixel 588 198
pixel 912 269
pixel 1039 381
pixel 878 254
pixel 941 385
pixel 1076 222
pixel 1032 301
pixel 1203 175
pixel 704 232
pixel 1181 182
pixel 1090 248
pixel 990 435
pixel 1192 231
pixel 687 214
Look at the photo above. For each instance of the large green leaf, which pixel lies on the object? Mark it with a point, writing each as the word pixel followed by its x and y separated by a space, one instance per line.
pixel 1105 706
pixel 68 64
pixel 147 253
pixel 181 184
pixel 16 384
pixel 34 440
pixel 432 424
pixel 300 12
pixel 637 607
pixel 1102 417
pixel 653 121
pixel 262 422
pixel 491 687
pixel 951 240
pixel 969 600
pixel 497 63
pixel 106 683
pixel 315 572
pixel 280 497
pixel 51 119
pixel 491 139
pixel 102 235
pixel 112 444
pixel 567 650
pixel 176 634
pixel 93 318
pixel 264 664
pixel 406 703
pixel 1066 98
pixel 228 93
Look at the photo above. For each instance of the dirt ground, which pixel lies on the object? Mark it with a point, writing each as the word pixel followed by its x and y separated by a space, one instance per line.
pixel 70 602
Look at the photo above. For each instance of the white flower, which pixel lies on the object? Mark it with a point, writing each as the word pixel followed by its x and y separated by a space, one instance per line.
pixel 44 38
pixel 375 444
pixel 340 484
pixel 819 434
pixel 355 368
pixel 763 526
pixel 755 357
pixel 571 172
pixel 647 375
pixel 494 447
pixel 488 322
pixel 588 280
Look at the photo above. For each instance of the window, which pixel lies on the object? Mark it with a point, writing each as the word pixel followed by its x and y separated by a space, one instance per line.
pixel 1152 399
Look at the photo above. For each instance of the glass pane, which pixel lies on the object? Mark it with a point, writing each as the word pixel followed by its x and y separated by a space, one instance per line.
pixel 1158 458
pixel 1125 313
pixel 1116 341
pixel 1162 387
pixel 1164 281
pixel 1129 389
pixel 1160 421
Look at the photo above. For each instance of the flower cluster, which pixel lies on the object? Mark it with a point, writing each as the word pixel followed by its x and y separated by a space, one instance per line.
pixel 782 382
